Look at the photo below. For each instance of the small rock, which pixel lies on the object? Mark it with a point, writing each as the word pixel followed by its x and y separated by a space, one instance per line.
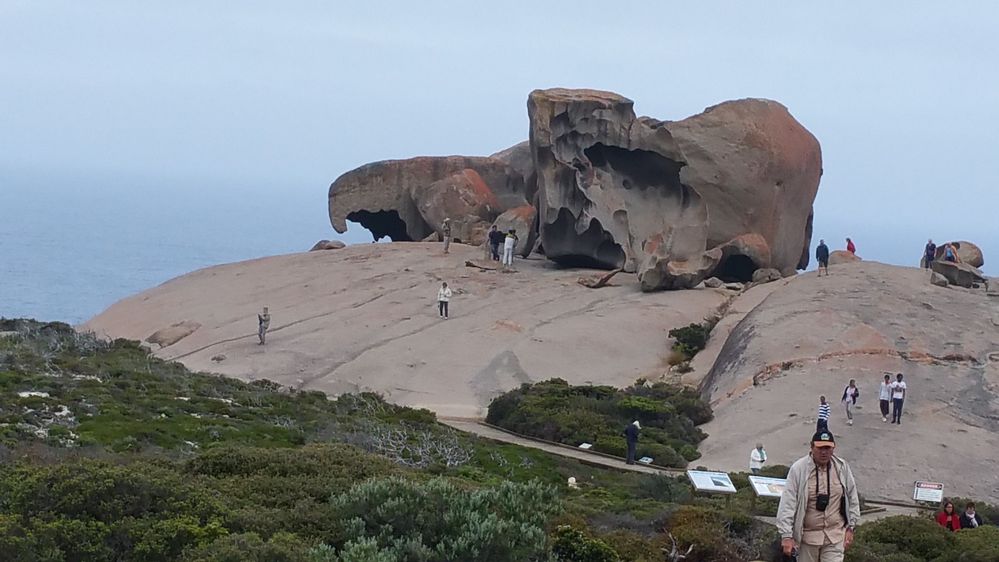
pixel 766 275
pixel 218 358
pixel 328 245
pixel 938 280
pixel 733 286
pixel 713 282
pixel 929 306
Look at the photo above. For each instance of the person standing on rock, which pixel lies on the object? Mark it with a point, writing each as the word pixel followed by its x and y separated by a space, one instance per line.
pixel 757 457
pixel 850 246
pixel 850 395
pixel 446 233
pixel 263 324
pixel 822 255
pixel 822 423
pixel 509 243
pixel 443 298
pixel 495 239
pixel 820 505
pixel 898 389
pixel 930 253
pixel 631 438
pixel 884 396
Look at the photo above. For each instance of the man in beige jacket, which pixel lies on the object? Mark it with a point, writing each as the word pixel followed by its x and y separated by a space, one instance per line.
pixel 820 505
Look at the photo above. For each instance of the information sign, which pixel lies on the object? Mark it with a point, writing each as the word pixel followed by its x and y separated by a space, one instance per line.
pixel 931 492
pixel 717 482
pixel 768 487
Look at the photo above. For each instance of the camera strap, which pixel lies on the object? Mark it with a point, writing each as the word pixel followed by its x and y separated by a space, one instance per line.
pixel 818 490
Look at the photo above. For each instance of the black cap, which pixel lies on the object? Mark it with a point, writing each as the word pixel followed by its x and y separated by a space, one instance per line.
pixel 823 437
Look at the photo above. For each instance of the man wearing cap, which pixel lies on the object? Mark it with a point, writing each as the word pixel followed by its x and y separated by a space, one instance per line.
pixel 820 505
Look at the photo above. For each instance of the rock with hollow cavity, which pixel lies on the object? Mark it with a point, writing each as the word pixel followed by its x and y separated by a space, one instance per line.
pixel 464 198
pixel 518 158
pixel 384 197
pixel 616 190
pixel 839 257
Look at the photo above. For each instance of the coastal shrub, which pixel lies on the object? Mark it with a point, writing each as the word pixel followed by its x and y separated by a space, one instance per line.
pixel 556 411
pixel 918 537
pixel 691 338
pixel 572 545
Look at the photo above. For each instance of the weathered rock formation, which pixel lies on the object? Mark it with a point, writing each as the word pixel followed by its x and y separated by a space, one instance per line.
pixel 724 192
pixel 390 198
pixel 839 257
pixel 960 274
pixel 967 252
pixel 327 245
pixel 523 220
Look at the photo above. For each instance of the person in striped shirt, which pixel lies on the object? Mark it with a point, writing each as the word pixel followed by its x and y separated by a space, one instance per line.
pixel 823 422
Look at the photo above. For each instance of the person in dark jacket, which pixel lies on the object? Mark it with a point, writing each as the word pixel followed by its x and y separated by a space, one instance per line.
pixel 631 436
pixel 970 519
pixel 948 518
pixel 822 255
pixel 930 253
pixel 495 240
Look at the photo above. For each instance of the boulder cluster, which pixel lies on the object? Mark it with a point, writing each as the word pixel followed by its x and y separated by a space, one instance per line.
pixel 723 193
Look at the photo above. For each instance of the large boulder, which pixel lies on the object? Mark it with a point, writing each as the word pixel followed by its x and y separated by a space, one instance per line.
pixel 967 252
pixel 518 158
pixel 522 220
pixel 385 197
pixel 464 198
pixel 839 257
pixel 721 193
pixel 960 274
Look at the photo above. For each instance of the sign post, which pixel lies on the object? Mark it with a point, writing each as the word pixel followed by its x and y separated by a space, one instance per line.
pixel 930 492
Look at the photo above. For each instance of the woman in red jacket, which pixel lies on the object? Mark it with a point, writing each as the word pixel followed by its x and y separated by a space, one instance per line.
pixel 949 518
pixel 850 246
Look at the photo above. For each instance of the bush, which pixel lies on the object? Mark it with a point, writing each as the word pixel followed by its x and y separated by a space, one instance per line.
pixel 571 545
pixel 914 536
pixel 690 339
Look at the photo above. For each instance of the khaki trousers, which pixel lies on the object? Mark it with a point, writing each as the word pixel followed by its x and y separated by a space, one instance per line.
pixel 830 553
pixel 447 244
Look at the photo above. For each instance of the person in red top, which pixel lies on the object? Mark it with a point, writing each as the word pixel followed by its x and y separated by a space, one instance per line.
pixel 850 247
pixel 949 518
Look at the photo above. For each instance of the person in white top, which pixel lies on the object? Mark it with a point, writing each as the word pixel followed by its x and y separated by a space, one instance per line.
pixel 884 396
pixel 850 395
pixel 898 389
pixel 509 243
pixel 757 457
pixel 443 298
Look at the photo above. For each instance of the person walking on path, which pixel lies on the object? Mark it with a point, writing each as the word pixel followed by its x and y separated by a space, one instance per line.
pixel 948 518
pixel 820 506
pixel 757 458
pixel 884 397
pixel 509 243
pixel 822 423
pixel 822 255
pixel 263 324
pixel 930 253
pixel 970 519
pixel 898 389
pixel 495 239
pixel 443 298
pixel 851 247
pixel 631 437
pixel 850 395
pixel 446 233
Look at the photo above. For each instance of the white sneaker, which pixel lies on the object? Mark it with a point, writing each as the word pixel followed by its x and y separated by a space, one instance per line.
pixel 849 422
pixel 884 420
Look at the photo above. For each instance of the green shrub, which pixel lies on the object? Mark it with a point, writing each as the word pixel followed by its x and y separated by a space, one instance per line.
pixel 690 339
pixel 914 536
pixel 572 545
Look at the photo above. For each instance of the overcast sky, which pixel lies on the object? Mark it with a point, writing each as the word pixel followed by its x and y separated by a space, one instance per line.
pixel 284 96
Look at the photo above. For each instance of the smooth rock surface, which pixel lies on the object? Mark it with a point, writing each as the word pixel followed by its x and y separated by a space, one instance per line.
pixel 327 245
pixel 957 273
pixel 840 257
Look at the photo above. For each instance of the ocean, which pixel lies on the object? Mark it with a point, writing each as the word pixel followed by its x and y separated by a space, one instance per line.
pixel 68 250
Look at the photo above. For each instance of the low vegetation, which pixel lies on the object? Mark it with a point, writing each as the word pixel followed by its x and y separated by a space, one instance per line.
pixel 110 454
pixel 556 411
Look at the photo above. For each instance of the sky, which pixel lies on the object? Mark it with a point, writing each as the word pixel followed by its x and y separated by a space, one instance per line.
pixel 274 100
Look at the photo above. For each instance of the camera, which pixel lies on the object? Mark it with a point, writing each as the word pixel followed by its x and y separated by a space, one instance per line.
pixel 821 502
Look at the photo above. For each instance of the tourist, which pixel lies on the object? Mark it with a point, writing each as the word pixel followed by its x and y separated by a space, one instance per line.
pixel 850 395
pixel 897 398
pixel 757 457
pixel 850 246
pixel 820 506
pixel 930 253
pixel 950 254
pixel 884 396
pixel 970 519
pixel 822 255
pixel 495 239
pixel 949 518
pixel 263 324
pixel 631 437
pixel 822 424
pixel 446 233
pixel 443 298
pixel 509 243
